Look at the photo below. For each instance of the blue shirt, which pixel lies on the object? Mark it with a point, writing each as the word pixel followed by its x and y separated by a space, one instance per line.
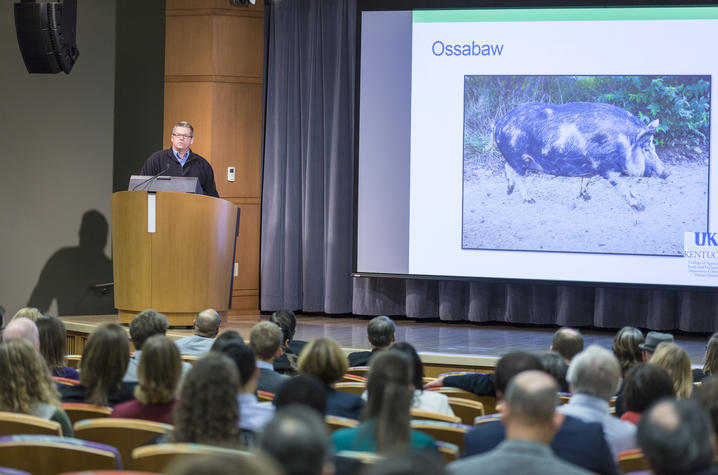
pixel 182 160
pixel 253 415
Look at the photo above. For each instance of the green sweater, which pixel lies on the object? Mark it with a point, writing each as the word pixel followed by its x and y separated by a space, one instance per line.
pixel 361 439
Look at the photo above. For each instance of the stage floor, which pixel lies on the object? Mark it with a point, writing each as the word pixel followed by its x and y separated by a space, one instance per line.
pixel 466 341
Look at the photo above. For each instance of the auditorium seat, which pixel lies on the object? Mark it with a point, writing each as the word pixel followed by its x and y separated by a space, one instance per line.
pixel 445 431
pixel 351 387
pixel 49 455
pixel 466 409
pixel 124 434
pixel 12 423
pixel 78 411
pixel 352 378
pixel 336 422
pixel 448 452
pixel 66 381
pixel 489 402
pixel 189 358
pixel 358 370
pixel 265 396
pixel 154 458
pixel 632 461
pixel 416 414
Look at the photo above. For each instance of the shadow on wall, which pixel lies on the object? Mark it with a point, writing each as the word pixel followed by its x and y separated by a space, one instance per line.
pixel 70 273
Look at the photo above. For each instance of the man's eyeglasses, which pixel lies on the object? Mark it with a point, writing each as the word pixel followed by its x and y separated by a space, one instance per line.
pixel 182 136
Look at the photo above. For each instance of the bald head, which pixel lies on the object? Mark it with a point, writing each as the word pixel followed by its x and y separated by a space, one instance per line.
pixel 207 323
pixel 568 342
pixel 22 328
pixel 532 397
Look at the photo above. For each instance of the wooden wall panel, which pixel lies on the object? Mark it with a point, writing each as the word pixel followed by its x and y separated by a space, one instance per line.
pixel 188 45
pixel 190 101
pixel 238 46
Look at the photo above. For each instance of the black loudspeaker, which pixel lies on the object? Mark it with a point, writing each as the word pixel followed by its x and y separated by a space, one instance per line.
pixel 46 35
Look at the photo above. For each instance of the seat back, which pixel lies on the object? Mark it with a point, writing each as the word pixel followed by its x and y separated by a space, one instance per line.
pixel 489 402
pixel 564 397
pixel 352 378
pixel 336 422
pixel 448 452
pixel 353 387
pixel 433 416
pixel 78 411
pixel 189 358
pixel 65 381
pixel 49 455
pixel 12 423
pixel 124 434
pixel 632 461
pixel 358 370
pixel 265 396
pixel 155 458
pixel 466 409
pixel 444 431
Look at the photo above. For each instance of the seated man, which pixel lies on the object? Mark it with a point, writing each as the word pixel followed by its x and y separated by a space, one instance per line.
pixel 677 437
pixel 380 333
pixel 265 339
pixel 593 377
pixel 22 328
pixel 578 442
pixel 567 342
pixel 529 414
pixel 206 326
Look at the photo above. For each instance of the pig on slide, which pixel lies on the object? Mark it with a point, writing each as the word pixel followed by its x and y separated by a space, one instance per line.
pixel 577 139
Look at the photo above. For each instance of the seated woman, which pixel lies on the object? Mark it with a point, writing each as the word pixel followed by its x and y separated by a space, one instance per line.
pixel 207 412
pixel 323 359
pixel 26 386
pixel 644 384
pixel 287 322
pixel 710 367
pixel 386 420
pixel 430 401
pixel 103 364
pixel 159 373
pixel 625 347
pixel 677 363
pixel 53 342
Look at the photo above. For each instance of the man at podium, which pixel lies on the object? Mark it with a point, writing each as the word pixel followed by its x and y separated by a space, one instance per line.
pixel 179 160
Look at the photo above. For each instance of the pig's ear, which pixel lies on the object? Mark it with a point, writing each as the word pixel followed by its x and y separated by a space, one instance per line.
pixel 647 132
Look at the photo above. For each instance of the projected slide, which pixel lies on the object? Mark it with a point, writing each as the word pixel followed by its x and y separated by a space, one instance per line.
pixel 589 160
pixel 539 144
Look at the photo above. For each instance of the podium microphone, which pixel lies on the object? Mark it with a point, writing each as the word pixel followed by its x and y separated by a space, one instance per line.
pixel 147 182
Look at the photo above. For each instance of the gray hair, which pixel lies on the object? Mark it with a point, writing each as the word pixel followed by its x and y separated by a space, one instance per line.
pixel 184 124
pixel 594 372
pixel 381 331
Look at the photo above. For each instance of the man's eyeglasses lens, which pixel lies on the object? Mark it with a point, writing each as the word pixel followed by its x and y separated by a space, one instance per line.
pixel 181 136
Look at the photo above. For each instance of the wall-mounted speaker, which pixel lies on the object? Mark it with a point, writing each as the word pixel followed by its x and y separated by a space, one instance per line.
pixel 46 35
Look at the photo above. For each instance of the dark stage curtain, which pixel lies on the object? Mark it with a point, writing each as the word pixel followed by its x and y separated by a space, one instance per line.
pixel 307 206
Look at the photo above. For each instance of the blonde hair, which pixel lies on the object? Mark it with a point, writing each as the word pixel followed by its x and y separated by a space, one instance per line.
pixel 676 362
pixel 31 313
pixel 26 380
pixel 323 359
pixel 265 338
pixel 159 371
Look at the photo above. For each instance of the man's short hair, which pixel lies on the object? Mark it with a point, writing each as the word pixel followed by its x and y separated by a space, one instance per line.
pixel 184 124
pixel 303 389
pixel 297 439
pixel 512 364
pixel 207 323
pixel 381 331
pixel 594 372
pixel 676 437
pixel 22 328
pixel 243 358
pixel 568 342
pixel 145 324
pixel 532 397
pixel 265 339
pixel 225 336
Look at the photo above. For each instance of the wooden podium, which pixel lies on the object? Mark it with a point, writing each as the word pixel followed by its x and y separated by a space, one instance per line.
pixel 172 252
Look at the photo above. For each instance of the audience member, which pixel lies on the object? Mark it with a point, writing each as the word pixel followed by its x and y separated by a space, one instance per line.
pixel 297 439
pixel 206 326
pixel 104 361
pixel 386 420
pixel 430 401
pixel 254 415
pixel 677 438
pixel 225 336
pixel 53 341
pixel 652 341
pixel 287 322
pixel 26 386
pixel 381 335
pixel 31 313
pixel 577 442
pixel 145 324
pixel 22 328
pixel 568 342
pixel 710 367
pixel 677 363
pixel 529 414
pixel 593 378
pixel 207 412
pixel 265 339
pixel 644 384
pixel 159 373
pixel 303 389
pixel 555 365
pixel 323 359
pixel 626 347
pixel 706 394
